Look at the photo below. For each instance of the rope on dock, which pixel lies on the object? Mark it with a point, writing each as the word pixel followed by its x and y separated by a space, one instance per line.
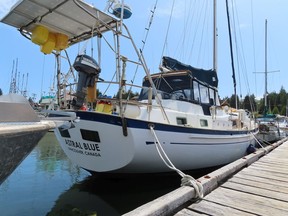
pixel 259 143
pixel 186 180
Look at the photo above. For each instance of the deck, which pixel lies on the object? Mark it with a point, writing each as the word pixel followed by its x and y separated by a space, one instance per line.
pixel 254 185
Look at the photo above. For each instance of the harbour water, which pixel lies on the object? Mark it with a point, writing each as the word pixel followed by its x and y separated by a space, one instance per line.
pixel 48 183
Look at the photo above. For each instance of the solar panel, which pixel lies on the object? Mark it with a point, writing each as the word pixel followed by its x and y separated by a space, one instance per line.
pixel 74 18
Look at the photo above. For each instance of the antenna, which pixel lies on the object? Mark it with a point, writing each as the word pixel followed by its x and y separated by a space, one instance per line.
pixel 119 10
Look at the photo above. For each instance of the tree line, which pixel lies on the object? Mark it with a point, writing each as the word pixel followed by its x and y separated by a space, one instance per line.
pixel 276 103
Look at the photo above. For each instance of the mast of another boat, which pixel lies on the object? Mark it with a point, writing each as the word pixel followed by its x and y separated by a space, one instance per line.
pixel 265 94
pixel 58 62
pixel 215 66
pixel 266 74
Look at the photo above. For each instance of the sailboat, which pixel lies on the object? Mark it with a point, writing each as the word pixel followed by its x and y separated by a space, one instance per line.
pixel 177 116
pixel 269 130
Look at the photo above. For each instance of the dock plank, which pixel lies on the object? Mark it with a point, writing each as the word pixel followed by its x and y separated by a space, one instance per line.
pixel 261 179
pixel 276 163
pixel 265 174
pixel 211 208
pixel 270 170
pixel 262 183
pixel 252 189
pixel 187 212
pixel 279 169
pixel 248 202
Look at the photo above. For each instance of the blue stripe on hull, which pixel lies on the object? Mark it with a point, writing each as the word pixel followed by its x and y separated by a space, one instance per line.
pixel 195 144
pixel 140 124
pixel 190 143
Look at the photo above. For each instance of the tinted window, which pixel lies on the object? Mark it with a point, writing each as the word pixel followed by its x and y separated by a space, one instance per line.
pixel 64 133
pixel 90 135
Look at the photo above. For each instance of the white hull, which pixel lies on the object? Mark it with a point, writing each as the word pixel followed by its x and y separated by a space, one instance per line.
pixel 136 152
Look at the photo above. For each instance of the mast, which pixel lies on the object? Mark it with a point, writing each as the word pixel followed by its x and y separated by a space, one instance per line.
pixel 215 36
pixel 265 93
pixel 12 79
pixel 58 60
pixel 266 73
pixel 231 54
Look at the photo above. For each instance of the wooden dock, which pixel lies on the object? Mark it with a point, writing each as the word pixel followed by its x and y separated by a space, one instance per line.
pixel 254 185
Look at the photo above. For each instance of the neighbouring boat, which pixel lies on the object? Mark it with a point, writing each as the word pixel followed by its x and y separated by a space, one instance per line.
pixel 20 131
pixel 282 122
pixel 177 111
pixel 269 130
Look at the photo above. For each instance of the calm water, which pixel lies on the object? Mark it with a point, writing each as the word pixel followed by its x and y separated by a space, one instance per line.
pixel 47 183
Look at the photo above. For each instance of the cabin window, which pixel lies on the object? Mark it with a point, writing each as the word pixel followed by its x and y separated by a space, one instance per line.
pixel 90 135
pixel 181 121
pixel 64 133
pixel 203 123
pixel 187 93
pixel 196 91
pixel 144 94
pixel 212 96
pixel 204 94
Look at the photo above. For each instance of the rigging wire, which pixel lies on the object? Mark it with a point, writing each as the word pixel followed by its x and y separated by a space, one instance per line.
pixel 202 33
pixel 240 56
pixel 167 32
pixel 187 16
pixel 191 43
pixel 194 37
pixel 253 39
pixel 244 68
pixel 147 29
pixel 197 19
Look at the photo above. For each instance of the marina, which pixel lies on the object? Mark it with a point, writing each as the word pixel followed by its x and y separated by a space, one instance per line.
pixel 177 106
pixel 128 139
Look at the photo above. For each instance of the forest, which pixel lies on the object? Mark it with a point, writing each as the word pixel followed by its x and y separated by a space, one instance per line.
pixel 276 102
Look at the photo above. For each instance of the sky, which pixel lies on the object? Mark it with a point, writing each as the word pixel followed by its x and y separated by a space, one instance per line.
pixel 187 38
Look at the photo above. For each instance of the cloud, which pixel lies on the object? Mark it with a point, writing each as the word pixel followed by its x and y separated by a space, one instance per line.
pixel 5 6
pixel 165 10
pixel 244 25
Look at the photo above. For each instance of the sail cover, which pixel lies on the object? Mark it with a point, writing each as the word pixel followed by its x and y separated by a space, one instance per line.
pixel 206 76
pixel 74 18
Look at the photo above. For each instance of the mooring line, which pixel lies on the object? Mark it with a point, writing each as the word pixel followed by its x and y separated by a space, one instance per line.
pixel 186 180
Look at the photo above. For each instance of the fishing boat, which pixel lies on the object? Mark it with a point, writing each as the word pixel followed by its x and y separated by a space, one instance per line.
pixel 177 116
